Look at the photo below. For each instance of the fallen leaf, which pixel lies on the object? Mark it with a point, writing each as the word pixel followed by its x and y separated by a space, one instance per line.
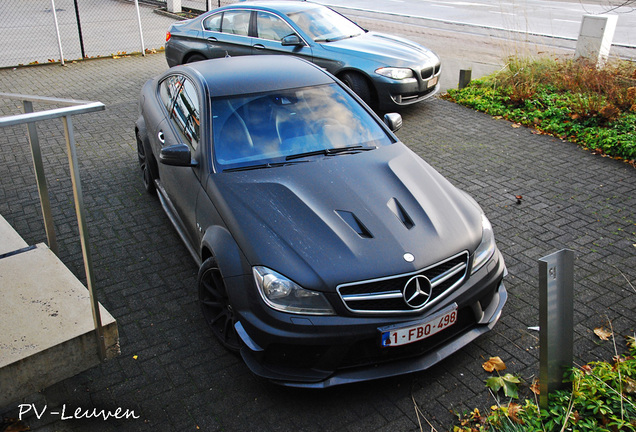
pixel 513 412
pixel 587 369
pixel 602 333
pixel 509 383
pixel 516 125
pixel 135 357
pixel 535 388
pixel 494 364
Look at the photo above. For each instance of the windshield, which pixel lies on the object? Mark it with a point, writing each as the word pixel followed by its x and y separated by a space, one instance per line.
pixel 324 25
pixel 290 126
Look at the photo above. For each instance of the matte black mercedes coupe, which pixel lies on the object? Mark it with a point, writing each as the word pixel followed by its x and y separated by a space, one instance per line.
pixel 329 252
pixel 385 71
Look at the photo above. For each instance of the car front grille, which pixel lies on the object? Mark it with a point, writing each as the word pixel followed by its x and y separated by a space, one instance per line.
pixel 386 295
pixel 430 72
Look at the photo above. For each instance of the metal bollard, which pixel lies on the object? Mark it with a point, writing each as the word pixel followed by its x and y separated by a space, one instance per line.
pixel 464 77
pixel 556 318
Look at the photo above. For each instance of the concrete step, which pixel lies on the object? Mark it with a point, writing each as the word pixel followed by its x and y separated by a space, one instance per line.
pixel 46 324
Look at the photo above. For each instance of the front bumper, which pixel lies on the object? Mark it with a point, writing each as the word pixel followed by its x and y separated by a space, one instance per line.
pixel 318 352
pixel 395 93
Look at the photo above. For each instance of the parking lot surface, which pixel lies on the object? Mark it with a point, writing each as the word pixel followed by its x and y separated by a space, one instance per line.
pixel 175 376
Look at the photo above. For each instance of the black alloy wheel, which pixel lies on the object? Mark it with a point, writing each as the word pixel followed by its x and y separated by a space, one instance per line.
pixel 216 306
pixel 146 174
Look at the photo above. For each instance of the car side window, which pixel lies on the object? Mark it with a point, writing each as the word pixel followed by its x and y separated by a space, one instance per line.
pixel 179 97
pixel 213 22
pixel 186 114
pixel 236 22
pixel 168 89
pixel 271 27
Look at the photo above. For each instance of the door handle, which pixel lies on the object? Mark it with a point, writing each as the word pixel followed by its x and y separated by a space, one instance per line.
pixel 259 46
pixel 212 39
pixel 162 138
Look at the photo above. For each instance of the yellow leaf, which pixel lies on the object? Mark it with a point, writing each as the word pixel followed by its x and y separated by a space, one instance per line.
pixel 516 125
pixel 135 357
pixel 535 387
pixel 602 333
pixel 630 386
pixel 494 364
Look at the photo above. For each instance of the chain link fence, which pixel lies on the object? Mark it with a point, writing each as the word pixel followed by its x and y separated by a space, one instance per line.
pixel 41 31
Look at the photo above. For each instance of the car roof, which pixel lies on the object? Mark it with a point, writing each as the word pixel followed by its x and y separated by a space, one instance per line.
pixel 259 73
pixel 284 6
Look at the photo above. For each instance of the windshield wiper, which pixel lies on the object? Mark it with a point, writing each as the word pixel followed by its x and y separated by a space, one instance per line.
pixel 330 151
pixel 337 38
pixel 260 166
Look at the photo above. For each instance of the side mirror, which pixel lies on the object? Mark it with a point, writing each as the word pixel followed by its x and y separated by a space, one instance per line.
pixel 393 121
pixel 177 155
pixel 291 40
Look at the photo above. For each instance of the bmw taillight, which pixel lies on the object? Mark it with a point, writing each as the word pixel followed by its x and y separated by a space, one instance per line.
pixel 168 36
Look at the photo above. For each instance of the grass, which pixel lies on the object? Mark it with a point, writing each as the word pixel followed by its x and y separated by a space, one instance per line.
pixel 570 99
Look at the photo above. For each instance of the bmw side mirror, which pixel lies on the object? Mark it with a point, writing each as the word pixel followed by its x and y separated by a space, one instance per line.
pixel 177 155
pixel 393 121
pixel 291 40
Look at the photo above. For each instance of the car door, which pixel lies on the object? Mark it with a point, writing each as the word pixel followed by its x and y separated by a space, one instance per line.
pixel 181 125
pixel 270 31
pixel 227 33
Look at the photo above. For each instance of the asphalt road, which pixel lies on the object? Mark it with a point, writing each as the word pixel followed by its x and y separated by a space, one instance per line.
pixel 543 17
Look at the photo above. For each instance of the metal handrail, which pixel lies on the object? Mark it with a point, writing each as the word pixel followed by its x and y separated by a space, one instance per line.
pixel 74 107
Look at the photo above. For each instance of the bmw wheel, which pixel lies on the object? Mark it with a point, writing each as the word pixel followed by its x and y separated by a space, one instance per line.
pixel 359 85
pixel 195 58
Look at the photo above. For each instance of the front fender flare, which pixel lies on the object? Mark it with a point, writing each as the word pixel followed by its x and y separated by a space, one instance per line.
pixel 220 243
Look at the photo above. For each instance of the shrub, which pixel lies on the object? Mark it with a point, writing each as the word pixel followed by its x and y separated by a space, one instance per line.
pixel 571 99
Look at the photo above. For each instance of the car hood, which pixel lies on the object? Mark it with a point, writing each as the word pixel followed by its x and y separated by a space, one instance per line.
pixel 346 218
pixel 386 49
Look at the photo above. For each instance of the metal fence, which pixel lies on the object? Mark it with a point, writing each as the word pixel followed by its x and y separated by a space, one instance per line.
pixel 41 31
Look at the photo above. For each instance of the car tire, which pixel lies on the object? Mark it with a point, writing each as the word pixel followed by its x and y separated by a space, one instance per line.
pixel 146 173
pixel 359 85
pixel 215 305
pixel 195 58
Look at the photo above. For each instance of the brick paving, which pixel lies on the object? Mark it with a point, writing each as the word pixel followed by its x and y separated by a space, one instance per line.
pixel 172 372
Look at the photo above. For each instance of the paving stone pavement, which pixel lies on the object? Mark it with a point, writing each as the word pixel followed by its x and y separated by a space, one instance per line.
pixel 172 372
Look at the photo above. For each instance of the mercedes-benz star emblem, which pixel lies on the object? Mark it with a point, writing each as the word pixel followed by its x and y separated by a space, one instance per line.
pixel 417 291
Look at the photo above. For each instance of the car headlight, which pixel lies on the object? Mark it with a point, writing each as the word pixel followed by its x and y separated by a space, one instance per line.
pixel 284 295
pixel 487 247
pixel 395 73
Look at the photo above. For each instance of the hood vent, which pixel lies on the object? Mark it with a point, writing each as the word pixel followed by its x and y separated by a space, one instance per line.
pixel 397 209
pixel 354 223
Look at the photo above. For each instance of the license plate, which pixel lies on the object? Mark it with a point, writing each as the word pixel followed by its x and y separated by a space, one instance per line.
pixel 405 334
pixel 432 82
